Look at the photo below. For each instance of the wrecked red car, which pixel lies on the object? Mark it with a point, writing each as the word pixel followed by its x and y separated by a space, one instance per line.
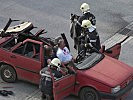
pixel 96 75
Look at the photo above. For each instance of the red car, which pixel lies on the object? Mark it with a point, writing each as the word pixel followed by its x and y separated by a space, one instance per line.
pixel 96 75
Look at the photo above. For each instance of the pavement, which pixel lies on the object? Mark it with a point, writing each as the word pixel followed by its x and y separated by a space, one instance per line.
pixel 53 15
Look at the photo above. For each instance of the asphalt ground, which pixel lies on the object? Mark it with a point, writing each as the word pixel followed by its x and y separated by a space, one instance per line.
pixel 53 15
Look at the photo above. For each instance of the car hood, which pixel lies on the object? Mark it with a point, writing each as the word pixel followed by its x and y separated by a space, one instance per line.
pixel 110 71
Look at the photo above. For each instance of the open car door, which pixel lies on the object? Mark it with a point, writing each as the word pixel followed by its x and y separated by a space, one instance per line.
pixel 63 86
pixel 112 46
pixel 114 51
pixel 65 40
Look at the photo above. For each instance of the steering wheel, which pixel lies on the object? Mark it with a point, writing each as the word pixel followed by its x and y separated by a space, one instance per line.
pixel 80 56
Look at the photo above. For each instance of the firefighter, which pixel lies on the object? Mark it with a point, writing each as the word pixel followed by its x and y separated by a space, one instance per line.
pixel 90 35
pixel 46 83
pixel 87 15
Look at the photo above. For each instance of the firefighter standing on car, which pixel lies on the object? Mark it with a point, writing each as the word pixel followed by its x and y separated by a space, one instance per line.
pixel 89 33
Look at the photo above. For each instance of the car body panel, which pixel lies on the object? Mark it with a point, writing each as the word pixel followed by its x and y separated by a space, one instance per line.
pixel 27 68
pixel 84 80
pixel 115 51
pixel 63 87
pixel 19 28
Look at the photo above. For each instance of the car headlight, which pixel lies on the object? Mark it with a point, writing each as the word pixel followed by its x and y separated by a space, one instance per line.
pixel 115 89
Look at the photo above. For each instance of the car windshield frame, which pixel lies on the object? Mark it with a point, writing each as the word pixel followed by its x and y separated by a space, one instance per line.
pixel 89 61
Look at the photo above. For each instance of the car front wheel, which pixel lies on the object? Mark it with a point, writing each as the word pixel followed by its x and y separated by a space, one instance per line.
pixel 8 74
pixel 89 94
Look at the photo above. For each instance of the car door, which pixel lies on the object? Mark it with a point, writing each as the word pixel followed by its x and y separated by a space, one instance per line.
pixel 114 44
pixel 65 40
pixel 114 51
pixel 64 86
pixel 26 62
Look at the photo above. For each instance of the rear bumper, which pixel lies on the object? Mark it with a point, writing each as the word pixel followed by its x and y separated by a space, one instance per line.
pixel 118 94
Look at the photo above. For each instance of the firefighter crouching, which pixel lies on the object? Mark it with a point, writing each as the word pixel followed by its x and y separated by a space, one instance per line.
pixel 46 84
pixel 89 36
pixel 93 36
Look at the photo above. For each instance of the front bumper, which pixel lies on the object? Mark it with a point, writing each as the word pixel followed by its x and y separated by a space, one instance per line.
pixel 118 94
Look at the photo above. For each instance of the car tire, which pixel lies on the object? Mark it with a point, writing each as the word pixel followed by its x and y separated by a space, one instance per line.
pixel 88 93
pixel 8 74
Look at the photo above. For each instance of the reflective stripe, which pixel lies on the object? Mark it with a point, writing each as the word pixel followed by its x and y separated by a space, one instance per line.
pixel 48 79
pixel 97 35
pixel 46 75
pixel 90 44
pixel 92 40
pixel 78 23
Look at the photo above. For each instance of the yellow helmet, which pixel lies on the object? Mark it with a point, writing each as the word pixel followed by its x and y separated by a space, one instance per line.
pixel 84 7
pixel 56 62
pixel 86 24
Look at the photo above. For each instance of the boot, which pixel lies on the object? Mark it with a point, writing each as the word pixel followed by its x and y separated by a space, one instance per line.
pixel 3 93
pixel 43 97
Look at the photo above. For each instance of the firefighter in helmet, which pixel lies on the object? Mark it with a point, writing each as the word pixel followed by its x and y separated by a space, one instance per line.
pixel 46 83
pixel 87 15
pixel 89 34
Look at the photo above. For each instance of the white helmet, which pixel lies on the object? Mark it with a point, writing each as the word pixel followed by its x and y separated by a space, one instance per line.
pixel 86 24
pixel 84 7
pixel 56 62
